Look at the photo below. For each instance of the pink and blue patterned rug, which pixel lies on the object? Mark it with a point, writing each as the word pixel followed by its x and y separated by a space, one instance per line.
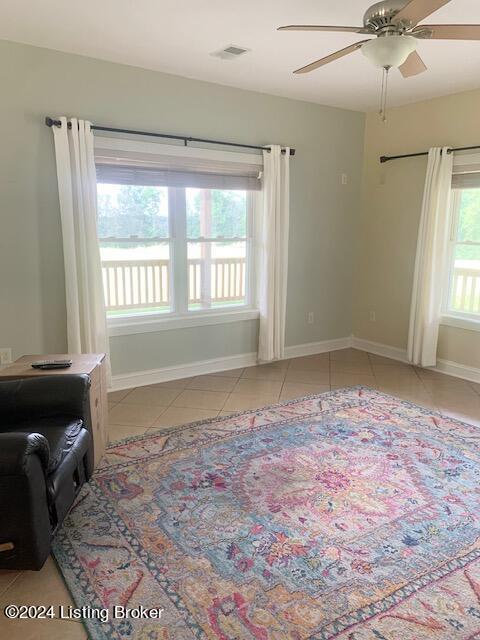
pixel 350 515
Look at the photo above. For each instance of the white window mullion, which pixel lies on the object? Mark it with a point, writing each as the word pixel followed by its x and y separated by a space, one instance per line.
pixel 179 258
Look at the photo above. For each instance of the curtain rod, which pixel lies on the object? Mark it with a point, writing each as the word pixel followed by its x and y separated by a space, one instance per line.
pixel 186 139
pixel 425 153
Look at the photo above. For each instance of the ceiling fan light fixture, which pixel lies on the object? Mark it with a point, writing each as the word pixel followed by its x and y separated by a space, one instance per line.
pixel 389 51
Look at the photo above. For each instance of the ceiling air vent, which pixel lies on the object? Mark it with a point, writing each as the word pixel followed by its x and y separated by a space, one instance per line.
pixel 230 52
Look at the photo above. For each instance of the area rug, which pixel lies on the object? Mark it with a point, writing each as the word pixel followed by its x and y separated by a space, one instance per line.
pixel 351 515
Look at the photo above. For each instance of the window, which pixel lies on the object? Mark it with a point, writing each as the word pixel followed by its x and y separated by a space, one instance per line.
pixel 217 247
pixel 463 295
pixel 175 242
pixel 135 248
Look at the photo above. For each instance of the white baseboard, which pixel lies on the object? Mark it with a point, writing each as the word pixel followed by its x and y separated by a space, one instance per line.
pixel 311 348
pixel 458 370
pixel 202 367
pixel 379 349
pixel 447 367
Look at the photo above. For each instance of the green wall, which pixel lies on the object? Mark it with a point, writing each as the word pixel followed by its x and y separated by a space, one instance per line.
pixel 38 82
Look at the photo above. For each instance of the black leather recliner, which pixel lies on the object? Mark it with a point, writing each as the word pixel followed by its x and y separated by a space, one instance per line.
pixel 46 454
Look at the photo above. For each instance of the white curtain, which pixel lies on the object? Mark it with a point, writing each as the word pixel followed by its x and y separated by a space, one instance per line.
pixel 86 317
pixel 273 254
pixel 430 277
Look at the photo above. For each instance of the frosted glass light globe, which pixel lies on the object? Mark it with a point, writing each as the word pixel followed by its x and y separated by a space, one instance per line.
pixel 389 51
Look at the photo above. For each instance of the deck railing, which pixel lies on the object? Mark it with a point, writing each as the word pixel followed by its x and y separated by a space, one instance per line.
pixel 465 294
pixel 145 284
pixel 227 280
pixel 130 284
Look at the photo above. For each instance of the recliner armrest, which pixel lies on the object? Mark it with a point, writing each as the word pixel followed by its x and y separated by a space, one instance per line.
pixel 25 522
pixel 17 447
pixel 44 397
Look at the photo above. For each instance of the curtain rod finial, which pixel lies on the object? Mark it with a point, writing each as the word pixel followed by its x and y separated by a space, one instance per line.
pixel 50 122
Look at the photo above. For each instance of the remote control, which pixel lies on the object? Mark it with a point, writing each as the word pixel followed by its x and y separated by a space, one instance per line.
pixel 52 364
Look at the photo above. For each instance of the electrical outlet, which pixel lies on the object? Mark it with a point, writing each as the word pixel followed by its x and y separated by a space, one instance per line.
pixel 373 316
pixel 310 317
pixel 344 178
pixel 5 355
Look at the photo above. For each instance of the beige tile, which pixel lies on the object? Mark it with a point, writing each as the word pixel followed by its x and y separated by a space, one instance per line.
pixel 6 579
pixel 291 390
pixel 174 416
pixel 152 396
pixel 374 359
pixel 351 366
pixel 134 414
pixel 258 387
pixel 394 369
pixel 38 587
pixel 192 398
pixel 352 355
pixel 476 387
pixel 317 362
pixel 245 401
pixel 448 384
pixel 422 399
pixel 42 629
pixel 308 376
pixel 172 384
pixel 398 377
pixel 351 379
pixel 116 396
pixel 212 383
pixel 265 372
pixel 429 374
pixel 415 394
pixel 401 383
pixel 454 397
pixel 121 431
pixel 229 373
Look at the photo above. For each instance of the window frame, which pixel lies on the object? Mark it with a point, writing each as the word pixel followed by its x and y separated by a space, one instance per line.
pixel 179 315
pixel 451 317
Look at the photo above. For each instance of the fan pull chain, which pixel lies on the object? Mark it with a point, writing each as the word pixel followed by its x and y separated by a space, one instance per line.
pixel 381 92
pixel 384 94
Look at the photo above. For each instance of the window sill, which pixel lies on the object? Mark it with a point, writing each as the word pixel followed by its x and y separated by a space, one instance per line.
pixel 460 322
pixel 147 324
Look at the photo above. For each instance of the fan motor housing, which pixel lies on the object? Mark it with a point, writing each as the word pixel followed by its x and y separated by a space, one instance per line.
pixel 380 15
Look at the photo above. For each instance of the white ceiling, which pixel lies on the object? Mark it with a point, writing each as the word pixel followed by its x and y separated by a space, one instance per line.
pixel 178 36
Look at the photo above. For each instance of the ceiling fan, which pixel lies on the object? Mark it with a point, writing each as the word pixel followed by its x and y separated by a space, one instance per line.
pixel 395 23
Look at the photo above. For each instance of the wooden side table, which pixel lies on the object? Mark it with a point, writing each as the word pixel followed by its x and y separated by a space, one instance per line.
pixel 93 364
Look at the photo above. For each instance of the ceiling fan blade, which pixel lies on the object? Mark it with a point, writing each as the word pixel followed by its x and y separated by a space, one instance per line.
pixel 317 27
pixel 417 10
pixel 412 66
pixel 447 31
pixel 333 56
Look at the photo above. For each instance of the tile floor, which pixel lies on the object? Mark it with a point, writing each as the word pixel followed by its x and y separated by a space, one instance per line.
pixel 137 411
